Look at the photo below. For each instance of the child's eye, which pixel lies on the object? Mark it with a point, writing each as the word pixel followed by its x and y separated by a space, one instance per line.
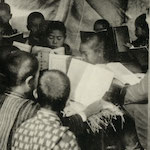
pixel 50 37
pixel 59 38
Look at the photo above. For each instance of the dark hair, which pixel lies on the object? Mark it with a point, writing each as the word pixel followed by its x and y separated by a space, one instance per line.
pixel 56 25
pixel 5 6
pixel 141 22
pixel 53 89
pixel 32 16
pixel 102 22
pixel 19 66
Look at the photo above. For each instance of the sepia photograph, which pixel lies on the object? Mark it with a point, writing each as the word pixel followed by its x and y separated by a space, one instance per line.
pixel 74 75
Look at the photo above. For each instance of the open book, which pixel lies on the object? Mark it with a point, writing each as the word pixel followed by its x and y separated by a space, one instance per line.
pixel 53 61
pixel 122 73
pixel 59 50
pixel 59 62
pixel 89 82
pixel 22 46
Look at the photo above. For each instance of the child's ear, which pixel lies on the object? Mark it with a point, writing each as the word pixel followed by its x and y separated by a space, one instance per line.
pixel 35 93
pixel 29 81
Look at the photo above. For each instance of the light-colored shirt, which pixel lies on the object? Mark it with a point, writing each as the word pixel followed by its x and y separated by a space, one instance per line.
pixel 137 92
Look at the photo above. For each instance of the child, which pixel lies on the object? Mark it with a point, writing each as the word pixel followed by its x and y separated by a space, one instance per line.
pixel 101 25
pixel 141 31
pixel 21 72
pixel 5 15
pixel 34 21
pixel 53 91
pixel 55 36
pixel 93 49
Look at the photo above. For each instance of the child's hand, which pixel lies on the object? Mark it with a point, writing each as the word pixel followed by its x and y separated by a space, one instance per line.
pixel 95 107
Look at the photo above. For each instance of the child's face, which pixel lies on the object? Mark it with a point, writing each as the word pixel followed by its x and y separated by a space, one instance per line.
pixel 35 25
pixel 99 27
pixel 6 16
pixel 91 56
pixel 55 39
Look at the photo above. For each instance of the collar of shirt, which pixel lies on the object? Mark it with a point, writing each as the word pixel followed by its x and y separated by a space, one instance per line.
pixel 14 94
pixel 48 116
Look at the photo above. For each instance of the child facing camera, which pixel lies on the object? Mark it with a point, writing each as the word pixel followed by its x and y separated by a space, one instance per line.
pixel 56 35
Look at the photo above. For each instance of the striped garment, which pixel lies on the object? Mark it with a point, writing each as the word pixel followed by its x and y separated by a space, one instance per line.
pixel 44 132
pixel 14 109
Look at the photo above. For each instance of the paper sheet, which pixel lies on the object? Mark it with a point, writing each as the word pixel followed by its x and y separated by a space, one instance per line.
pixel 88 82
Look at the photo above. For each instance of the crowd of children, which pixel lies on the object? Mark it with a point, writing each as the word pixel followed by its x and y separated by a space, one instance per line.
pixel 32 101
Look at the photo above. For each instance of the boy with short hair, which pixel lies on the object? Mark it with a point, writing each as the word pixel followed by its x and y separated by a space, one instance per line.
pixel 53 91
pixel 21 71
pixel 56 35
pixel 34 22
pixel 5 15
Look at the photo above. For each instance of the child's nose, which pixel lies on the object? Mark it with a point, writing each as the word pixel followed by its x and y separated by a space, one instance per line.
pixel 54 40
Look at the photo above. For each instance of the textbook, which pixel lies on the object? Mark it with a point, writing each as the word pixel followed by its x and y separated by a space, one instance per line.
pixel 122 73
pixel 53 61
pixel 59 62
pixel 89 82
pixel 14 37
pixel 60 50
pixel 119 37
pixel 22 46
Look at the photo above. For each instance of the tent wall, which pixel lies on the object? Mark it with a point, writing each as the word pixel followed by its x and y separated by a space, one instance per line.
pixel 79 14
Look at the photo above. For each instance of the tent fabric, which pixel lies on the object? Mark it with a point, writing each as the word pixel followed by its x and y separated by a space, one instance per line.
pixel 79 15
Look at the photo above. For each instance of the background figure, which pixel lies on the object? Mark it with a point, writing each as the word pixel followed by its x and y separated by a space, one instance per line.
pixel 5 15
pixel 56 35
pixel 34 22
pixel 53 91
pixel 141 31
pixel 101 25
pixel 136 104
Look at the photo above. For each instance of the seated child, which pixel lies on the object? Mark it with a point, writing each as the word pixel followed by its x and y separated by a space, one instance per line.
pixel 52 91
pixel 5 15
pixel 4 52
pixel 141 31
pixel 101 25
pixel 34 21
pixel 21 71
pixel 55 36
pixel 93 49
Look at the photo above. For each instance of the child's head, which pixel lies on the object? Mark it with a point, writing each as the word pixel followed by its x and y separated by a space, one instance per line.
pixel 5 12
pixel 141 26
pixel 100 25
pixel 56 34
pixel 53 89
pixel 21 70
pixel 93 49
pixel 34 21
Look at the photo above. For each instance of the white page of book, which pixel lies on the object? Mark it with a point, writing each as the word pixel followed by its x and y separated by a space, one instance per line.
pixel 123 74
pixel 75 72
pixel 22 46
pixel 59 50
pixel 59 62
pixel 90 84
